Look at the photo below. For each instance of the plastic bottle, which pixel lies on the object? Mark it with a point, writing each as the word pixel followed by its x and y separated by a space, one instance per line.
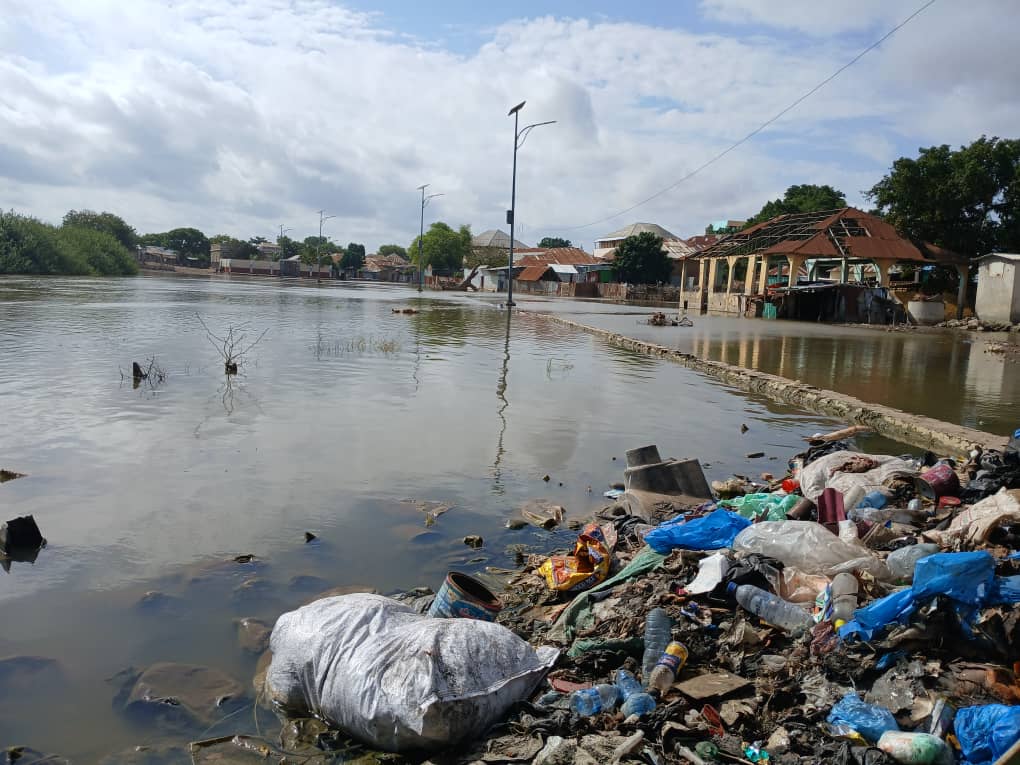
pixel 658 629
pixel 916 748
pixel 876 499
pixel 635 700
pixel 848 531
pixel 844 597
pixel 901 562
pixel 771 608
pixel 591 701
pixel 669 666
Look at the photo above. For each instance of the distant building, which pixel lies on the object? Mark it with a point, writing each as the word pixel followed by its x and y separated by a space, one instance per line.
pixel 387 268
pixel 998 288
pixel 161 256
pixel 606 246
pixel 495 238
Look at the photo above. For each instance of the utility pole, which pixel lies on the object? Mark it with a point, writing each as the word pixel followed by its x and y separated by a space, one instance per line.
pixel 318 245
pixel 421 233
pixel 520 135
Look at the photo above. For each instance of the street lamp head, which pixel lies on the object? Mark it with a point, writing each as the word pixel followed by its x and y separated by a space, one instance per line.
pixel 424 186
pixel 516 108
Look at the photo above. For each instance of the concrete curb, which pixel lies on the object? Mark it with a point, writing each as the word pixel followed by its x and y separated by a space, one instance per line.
pixel 917 430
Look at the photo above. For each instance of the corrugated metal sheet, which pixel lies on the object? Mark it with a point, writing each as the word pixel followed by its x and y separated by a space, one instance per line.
pixel 872 247
pixel 532 273
pixel 563 269
pixel 817 246
pixel 573 256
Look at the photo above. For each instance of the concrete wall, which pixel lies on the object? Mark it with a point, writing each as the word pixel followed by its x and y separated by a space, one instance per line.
pixel 998 291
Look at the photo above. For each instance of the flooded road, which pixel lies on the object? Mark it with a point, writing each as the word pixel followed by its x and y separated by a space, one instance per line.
pixel 947 375
pixel 348 421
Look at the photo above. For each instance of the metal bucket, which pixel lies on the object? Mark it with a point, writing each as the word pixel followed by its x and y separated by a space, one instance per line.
pixel 942 479
pixel 463 597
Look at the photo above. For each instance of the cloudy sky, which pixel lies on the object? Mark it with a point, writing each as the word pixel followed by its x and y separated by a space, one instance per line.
pixel 236 116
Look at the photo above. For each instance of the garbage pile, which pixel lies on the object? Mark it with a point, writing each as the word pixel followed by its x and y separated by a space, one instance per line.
pixel 860 609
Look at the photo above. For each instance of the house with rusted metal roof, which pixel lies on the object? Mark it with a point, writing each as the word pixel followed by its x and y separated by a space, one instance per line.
pixel 547 270
pixel 805 252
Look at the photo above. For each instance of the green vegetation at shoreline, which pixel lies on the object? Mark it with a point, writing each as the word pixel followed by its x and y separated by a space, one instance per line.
pixel 86 244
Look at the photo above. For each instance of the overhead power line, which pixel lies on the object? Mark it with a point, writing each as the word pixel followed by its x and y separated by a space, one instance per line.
pixel 765 124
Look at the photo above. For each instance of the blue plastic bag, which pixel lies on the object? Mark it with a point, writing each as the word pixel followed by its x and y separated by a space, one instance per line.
pixel 965 577
pixel 870 720
pixel 1005 589
pixel 710 532
pixel 873 618
pixel 986 733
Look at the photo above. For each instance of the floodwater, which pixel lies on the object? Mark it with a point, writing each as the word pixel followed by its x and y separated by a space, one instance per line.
pixel 345 415
pixel 948 375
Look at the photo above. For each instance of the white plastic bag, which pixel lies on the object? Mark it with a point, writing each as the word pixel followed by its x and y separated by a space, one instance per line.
pixel 818 476
pixel 394 679
pixel 810 547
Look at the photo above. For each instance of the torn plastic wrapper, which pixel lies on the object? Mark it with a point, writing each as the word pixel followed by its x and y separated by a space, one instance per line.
pixel 587 566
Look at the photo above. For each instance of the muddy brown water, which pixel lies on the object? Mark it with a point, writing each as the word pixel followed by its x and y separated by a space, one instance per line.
pixel 344 417
pixel 945 374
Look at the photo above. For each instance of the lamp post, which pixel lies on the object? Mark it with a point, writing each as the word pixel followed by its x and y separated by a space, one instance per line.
pixel 519 137
pixel 421 233
pixel 318 246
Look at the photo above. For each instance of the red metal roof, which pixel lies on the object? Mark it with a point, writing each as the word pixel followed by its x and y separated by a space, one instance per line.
pixel 533 273
pixel 565 256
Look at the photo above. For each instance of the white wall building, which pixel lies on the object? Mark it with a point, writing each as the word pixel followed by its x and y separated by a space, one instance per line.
pixel 998 288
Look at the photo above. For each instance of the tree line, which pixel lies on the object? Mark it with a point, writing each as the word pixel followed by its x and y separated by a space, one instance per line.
pixel 966 200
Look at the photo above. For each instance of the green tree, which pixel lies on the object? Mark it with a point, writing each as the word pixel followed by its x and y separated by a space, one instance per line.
pixel 105 222
pixel 392 249
pixel 487 256
pixel 354 257
pixel 801 198
pixel 29 246
pixel 235 249
pixel 314 248
pixel 288 247
pixel 153 240
pixel 257 240
pixel 189 243
pixel 554 241
pixel 640 260
pixel 967 200
pixel 102 251
pixel 443 248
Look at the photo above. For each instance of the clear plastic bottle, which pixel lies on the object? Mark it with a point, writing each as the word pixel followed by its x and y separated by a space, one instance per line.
pixel 658 629
pixel 771 608
pixel 848 531
pixel 670 664
pixel 843 591
pixel 591 701
pixel 635 700
pixel 901 562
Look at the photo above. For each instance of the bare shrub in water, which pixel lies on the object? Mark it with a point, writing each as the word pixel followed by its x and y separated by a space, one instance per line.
pixel 232 346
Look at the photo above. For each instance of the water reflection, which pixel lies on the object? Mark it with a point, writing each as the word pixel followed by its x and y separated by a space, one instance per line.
pixel 497 473
pixel 140 494
pixel 945 375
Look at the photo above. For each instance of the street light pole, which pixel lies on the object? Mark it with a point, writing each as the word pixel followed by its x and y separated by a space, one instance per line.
pixel 519 137
pixel 421 233
pixel 318 245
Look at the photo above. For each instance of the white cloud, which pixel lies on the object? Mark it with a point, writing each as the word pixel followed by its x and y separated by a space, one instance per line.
pixel 237 117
